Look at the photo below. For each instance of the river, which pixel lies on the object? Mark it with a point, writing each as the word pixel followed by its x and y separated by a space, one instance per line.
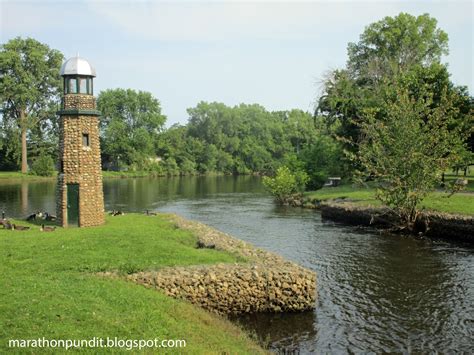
pixel 376 293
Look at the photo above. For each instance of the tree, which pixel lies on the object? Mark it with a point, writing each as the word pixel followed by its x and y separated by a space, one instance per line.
pixel 342 105
pixel 395 44
pixel 10 145
pixel 30 85
pixel 434 81
pixel 130 126
pixel 407 151
pixel 246 138
pixel 404 49
pixel 322 159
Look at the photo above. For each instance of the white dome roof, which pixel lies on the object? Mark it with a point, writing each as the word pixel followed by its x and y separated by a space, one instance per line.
pixel 77 66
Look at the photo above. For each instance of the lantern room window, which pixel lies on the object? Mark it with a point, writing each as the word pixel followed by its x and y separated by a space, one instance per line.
pixel 78 85
pixel 83 86
pixel 72 86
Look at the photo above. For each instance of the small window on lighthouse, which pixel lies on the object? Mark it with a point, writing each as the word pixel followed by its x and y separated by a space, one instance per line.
pixel 85 139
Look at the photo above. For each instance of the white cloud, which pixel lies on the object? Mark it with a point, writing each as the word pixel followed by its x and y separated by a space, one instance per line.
pixel 267 20
pixel 22 16
pixel 197 21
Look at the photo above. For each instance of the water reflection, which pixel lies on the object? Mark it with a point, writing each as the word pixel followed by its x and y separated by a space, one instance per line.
pixel 18 199
pixel 377 293
pixel 297 334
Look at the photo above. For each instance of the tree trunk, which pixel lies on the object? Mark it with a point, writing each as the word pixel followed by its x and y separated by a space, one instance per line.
pixel 24 153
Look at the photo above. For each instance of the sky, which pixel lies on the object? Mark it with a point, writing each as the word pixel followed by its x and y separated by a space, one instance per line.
pixel 272 53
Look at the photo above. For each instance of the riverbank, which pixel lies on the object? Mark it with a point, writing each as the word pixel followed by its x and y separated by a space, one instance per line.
pixel 429 224
pixel 440 216
pixel 52 278
pixel 460 203
pixel 264 283
pixel 16 175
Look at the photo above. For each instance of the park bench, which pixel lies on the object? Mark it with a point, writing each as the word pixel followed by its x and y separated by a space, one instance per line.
pixel 333 181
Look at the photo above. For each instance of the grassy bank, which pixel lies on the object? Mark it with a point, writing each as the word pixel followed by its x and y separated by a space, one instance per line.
pixel 133 174
pixel 462 203
pixel 16 175
pixel 125 174
pixel 48 286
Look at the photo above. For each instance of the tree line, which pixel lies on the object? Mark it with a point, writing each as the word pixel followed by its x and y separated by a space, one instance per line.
pixel 244 139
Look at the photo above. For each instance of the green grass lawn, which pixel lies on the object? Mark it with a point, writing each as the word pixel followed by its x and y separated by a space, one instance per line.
pixel 49 287
pixel 462 203
pixel 469 178
pixel 452 176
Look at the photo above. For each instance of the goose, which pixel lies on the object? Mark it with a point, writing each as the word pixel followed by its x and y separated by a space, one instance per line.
pixel 148 213
pixel 20 228
pixel 33 216
pixel 116 213
pixel 47 228
pixel 6 224
pixel 49 217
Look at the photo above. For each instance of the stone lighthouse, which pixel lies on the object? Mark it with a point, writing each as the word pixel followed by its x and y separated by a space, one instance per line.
pixel 80 198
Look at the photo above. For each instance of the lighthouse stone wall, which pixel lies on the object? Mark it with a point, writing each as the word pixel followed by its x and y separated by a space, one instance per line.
pixel 78 163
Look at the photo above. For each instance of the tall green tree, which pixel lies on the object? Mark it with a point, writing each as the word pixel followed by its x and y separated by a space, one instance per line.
pixel 404 49
pixel 130 126
pixel 29 86
pixel 396 44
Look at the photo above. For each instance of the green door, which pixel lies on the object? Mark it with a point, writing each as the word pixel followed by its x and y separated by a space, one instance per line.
pixel 73 205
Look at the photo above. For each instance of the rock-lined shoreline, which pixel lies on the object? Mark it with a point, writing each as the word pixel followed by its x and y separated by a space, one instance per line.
pixel 429 223
pixel 266 282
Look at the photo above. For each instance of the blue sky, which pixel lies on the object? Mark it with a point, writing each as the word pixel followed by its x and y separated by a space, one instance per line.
pixel 272 53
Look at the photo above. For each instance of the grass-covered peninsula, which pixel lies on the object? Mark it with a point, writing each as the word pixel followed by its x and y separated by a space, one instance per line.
pixel 460 203
pixel 49 286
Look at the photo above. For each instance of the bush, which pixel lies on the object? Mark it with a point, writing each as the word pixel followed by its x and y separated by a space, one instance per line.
pixel 187 167
pixel 285 184
pixel 43 165
pixel 155 169
pixel 170 167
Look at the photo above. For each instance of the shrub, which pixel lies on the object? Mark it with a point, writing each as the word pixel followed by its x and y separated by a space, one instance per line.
pixel 43 165
pixel 285 184
pixel 187 167
pixel 170 167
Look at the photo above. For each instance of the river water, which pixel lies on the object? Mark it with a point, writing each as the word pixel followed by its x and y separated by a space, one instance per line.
pixel 376 292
